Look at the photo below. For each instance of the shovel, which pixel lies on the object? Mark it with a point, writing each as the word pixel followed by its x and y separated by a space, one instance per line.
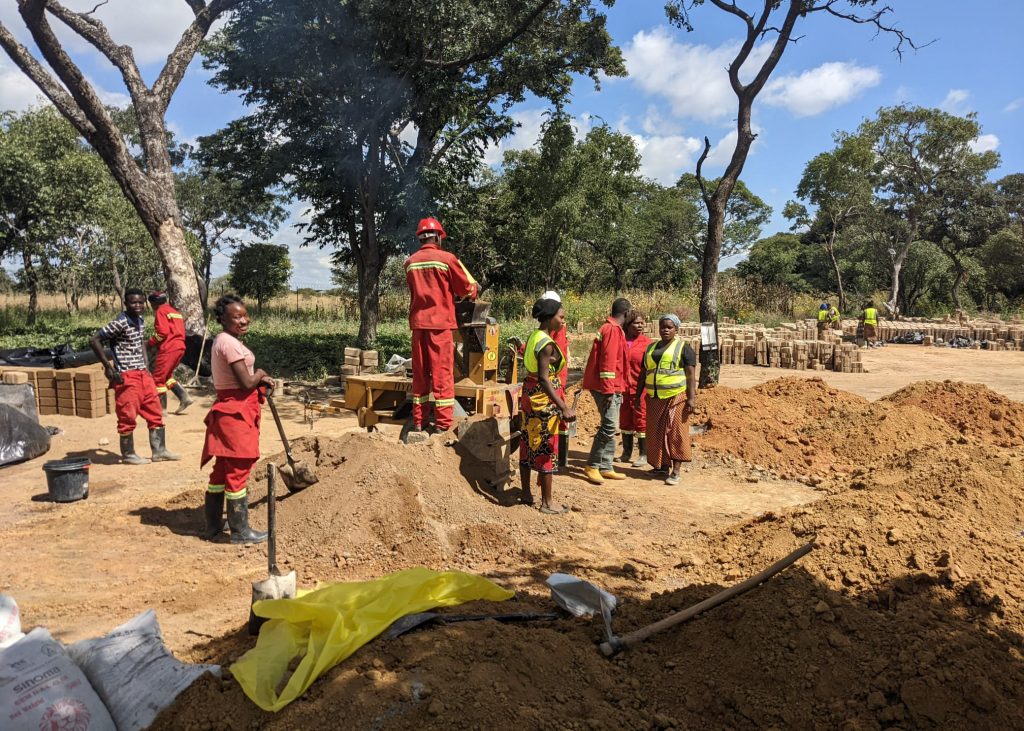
pixel 296 475
pixel 571 430
pixel 276 585
pixel 423 619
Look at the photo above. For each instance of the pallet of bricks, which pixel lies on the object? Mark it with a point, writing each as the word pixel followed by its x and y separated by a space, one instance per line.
pixel 998 334
pixel 359 362
pixel 69 392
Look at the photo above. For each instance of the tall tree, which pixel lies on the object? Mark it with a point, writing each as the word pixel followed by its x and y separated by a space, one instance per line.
pixel 393 100
pixel 260 271
pixel 838 184
pixel 919 152
pixel 775 19
pixel 745 215
pixel 148 184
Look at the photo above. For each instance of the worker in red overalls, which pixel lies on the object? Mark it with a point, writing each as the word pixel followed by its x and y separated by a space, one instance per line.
pixel 633 417
pixel 436 279
pixel 233 424
pixel 169 340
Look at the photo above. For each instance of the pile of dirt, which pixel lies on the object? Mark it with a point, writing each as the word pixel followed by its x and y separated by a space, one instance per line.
pixel 970 408
pixel 907 614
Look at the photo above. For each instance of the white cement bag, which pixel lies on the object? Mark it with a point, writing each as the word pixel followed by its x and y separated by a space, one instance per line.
pixel 134 673
pixel 10 621
pixel 42 689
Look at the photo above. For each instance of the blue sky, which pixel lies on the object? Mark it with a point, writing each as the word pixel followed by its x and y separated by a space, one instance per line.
pixel 677 92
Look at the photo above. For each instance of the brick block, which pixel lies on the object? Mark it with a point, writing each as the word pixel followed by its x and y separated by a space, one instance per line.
pixel 90 378
pixel 47 410
pixel 349 370
pixel 369 358
pixel 47 401
pixel 64 376
pixel 66 409
pixel 14 378
pixel 352 352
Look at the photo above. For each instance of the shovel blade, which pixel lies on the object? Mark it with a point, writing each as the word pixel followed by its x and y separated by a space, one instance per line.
pixel 272 587
pixel 298 479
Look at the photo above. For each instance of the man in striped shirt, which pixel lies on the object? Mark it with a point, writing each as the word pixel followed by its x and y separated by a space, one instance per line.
pixel 436 278
pixel 134 389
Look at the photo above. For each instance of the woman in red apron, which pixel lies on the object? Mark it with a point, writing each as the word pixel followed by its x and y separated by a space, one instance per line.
pixel 233 424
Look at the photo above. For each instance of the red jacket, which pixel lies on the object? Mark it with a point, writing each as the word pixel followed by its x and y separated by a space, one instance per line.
pixel 562 341
pixel 606 366
pixel 635 360
pixel 170 327
pixel 436 277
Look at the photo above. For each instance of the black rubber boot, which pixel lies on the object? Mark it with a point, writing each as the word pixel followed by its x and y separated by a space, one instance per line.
pixel 641 448
pixel 215 524
pixel 128 455
pixel 238 520
pixel 163 402
pixel 563 450
pixel 158 443
pixel 184 400
pixel 627 448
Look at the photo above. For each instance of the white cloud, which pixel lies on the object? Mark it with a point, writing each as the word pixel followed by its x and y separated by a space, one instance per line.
pixel 151 28
pixel 956 101
pixel 17 92
pixel 692 78
pixel 985 143
pixel 820 89
pixel 902 94
pixel 665 157
pixel 1014 105
pixel 657 123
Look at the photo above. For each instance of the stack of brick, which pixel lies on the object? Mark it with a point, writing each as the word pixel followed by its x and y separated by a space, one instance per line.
pixel 71 392
pixel 999 334
pixel 360 362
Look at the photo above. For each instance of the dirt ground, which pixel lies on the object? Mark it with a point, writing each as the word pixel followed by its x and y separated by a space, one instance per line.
pixel 913 588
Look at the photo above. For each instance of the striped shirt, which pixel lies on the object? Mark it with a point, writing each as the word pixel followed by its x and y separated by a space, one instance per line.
pixel 124 333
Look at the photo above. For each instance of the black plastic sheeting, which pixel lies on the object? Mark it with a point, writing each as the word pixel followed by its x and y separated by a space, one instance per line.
pixel 20 437
pixel 64 356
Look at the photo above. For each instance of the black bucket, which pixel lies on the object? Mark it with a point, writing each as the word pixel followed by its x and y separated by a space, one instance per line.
pixel 67 479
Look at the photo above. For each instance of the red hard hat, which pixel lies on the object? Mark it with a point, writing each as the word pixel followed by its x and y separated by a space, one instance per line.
pixel 430 225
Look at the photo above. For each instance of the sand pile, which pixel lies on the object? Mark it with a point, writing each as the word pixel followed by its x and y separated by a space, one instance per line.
pixel 971 408
pixel 908 613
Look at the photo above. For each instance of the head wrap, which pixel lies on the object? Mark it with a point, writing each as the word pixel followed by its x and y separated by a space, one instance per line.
pixel 545 309
pixel 671 318
pixel 157 298
pixel 551 295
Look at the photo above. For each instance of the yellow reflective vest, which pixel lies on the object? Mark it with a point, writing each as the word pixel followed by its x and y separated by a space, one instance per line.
pixel 537 341
pixel 822 315
pixel 667 377
pixel 870 316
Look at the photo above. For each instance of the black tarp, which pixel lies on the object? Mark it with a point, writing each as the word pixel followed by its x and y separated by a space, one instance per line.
pixel 21 438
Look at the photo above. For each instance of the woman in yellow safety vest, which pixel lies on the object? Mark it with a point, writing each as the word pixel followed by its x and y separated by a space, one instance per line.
pixel 542 405
pixel 869 318
pixel 668 377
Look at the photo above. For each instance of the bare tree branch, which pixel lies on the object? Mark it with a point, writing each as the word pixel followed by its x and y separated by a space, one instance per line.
pixel 96 7
pixel 700 177
pixel 46 83
pixel 876 19
pixel 495 47
pixel 183 53
pixel 96 34
pixel 733 9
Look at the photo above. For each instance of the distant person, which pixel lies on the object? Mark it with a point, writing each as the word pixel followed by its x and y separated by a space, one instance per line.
pixel 869 320
pixel 833 317
pixel 823 320
pixel 169 340
pixel 542 404
pixel 233 424
pixel 668 377
pixel 605 378
pixel 561 338
pixel 134 389
pixel 436 279
pixel 633 418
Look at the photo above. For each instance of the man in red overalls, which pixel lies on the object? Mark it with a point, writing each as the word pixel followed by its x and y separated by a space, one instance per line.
pixel 169 340
pixel 436 279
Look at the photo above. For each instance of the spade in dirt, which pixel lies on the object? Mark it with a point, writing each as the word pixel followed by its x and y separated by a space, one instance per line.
pixel 276 585
pixel 297 475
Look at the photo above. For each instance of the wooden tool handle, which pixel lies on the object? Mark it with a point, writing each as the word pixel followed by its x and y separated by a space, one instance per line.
pixel 621 643
pixel 271 522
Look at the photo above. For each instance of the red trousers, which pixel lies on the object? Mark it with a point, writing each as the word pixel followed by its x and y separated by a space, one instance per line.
pixel 168 356
pixel 134 398
pixel 230 475
pixel 631 419
pixel 433 373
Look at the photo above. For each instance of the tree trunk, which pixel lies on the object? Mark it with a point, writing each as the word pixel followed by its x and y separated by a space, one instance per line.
pixel 369 265
pixel 711 360
pixel 957 281
pixel 835 267
pixel 32 283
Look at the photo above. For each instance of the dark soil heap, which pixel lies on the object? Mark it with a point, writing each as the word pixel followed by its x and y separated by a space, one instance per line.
pixel 907 614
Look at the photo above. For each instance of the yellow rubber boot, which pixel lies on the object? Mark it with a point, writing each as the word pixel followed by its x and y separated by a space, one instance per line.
pixel 613 475
pixel 593 475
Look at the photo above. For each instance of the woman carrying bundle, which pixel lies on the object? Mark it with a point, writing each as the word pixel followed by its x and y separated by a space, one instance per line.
pixel 668 376
pixel 542 404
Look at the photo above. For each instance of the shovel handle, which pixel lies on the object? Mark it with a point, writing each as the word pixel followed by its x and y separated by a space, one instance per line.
pixel 280 430
pixel 271 522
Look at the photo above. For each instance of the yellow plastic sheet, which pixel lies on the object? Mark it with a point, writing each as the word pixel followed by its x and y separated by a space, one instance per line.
pixel 325 626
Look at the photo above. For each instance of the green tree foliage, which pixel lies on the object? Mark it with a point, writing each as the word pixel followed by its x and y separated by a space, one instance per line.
pixel 393 103
pixel 745 216
pixel 1003 259
pixel 778 259
pixel 260 271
